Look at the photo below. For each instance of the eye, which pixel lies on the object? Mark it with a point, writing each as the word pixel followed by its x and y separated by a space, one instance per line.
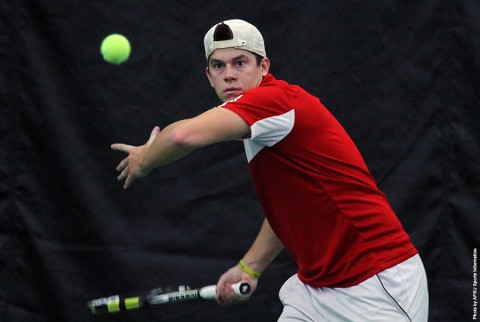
pixel 217 65
pixel 240 63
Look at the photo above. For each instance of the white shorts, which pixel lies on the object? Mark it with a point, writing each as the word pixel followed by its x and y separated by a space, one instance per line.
pixel 398 294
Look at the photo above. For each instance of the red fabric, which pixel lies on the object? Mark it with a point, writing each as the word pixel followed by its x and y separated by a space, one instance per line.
pixel 317 192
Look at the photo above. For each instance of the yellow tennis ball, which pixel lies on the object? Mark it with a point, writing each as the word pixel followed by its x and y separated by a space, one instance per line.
pixel 115 49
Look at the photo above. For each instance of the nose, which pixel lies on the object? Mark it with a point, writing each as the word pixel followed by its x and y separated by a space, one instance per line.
pixel 229 73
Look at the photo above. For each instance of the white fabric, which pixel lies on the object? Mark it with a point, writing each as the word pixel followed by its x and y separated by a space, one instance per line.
pixel 245 36
pixel 268 132
pixel 398 294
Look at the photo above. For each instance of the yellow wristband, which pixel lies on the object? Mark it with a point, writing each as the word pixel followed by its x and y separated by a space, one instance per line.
pixel 248 270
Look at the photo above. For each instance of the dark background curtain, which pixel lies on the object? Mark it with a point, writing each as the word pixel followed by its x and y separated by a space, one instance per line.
pixel 401 76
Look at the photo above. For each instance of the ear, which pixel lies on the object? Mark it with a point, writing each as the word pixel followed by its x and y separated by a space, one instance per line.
pixel 207 72
pixel 265 66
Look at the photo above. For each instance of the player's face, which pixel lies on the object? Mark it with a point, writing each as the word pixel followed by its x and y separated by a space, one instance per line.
pixel 233 71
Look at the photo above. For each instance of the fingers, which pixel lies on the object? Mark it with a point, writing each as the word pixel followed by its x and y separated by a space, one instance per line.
pixel 129 168
pixel 122 147
pixel 123 173
pixel 226 294
pixel 221 299
pixel 129 178
pixel 122 167
pixel 128 148
pixel 128 181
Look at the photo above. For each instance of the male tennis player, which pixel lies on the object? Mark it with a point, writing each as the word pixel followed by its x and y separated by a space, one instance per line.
pixel 355 261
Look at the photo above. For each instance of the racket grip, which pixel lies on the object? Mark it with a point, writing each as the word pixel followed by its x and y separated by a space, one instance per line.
pixel 242 289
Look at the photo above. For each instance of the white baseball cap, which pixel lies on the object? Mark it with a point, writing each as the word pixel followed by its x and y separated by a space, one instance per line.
pixel 234 33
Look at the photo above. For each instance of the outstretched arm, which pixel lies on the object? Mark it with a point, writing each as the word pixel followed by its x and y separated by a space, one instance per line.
pixel 262 252
pixel 177 140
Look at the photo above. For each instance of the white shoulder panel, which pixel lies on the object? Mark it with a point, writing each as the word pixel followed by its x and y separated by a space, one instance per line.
pixel 268 132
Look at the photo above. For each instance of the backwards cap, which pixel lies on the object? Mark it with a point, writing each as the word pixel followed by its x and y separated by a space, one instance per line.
pixel 234 33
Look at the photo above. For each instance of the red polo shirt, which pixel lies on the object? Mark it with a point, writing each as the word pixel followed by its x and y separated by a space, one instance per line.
pixel 315 189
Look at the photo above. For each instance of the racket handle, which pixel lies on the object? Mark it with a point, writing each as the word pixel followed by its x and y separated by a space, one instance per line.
pixel 242 289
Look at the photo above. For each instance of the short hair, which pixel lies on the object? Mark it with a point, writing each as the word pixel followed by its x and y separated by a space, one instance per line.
pixel 258 58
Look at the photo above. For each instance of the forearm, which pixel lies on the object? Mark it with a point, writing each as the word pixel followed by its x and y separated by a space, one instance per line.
pixel 166 148
pixel 182 137
pixel 262 252
pixel 264 249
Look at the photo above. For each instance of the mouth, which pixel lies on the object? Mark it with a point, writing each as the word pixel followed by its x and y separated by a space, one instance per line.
pixel 231 90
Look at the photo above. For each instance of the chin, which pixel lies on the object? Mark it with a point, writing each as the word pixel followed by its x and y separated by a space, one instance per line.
pixel 223 99
pixel 226 98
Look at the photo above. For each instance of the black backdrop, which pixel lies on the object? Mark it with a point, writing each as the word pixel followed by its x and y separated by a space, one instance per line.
pixel 402 76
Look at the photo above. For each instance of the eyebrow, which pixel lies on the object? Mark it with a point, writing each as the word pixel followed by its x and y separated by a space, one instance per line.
pixel 216 61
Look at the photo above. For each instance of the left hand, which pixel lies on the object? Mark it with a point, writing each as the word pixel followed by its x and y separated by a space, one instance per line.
pixel 131 167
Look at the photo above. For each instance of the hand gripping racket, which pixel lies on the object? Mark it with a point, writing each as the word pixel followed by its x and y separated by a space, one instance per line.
pixel 122 303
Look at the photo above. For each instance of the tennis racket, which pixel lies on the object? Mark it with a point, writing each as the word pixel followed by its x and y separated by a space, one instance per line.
pixel 182 293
